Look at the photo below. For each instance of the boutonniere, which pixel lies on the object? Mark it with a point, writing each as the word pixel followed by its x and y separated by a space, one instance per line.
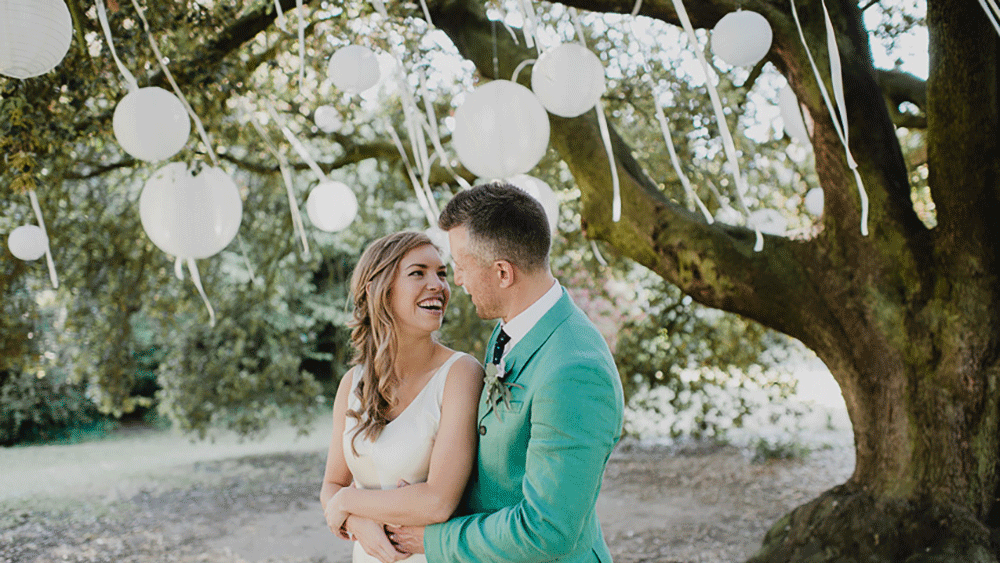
pixel 497 389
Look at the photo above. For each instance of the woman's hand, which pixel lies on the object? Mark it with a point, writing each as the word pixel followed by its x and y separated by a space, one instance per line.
pixel 371 536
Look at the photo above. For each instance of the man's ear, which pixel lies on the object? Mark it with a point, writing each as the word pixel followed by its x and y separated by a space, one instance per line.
pixel 504 272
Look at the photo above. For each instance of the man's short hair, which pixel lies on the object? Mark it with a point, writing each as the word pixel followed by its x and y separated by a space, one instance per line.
pixel 504 223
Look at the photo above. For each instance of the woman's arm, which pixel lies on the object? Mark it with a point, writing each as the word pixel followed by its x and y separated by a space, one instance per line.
pixel 337 475
pixel 451 461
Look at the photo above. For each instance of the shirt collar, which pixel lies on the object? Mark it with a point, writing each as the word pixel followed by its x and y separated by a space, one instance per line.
pixel 523 322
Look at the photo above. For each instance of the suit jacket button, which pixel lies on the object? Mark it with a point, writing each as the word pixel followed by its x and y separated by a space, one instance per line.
pixel 482 429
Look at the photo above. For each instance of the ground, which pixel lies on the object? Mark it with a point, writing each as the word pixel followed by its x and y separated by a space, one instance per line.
pixel 152 497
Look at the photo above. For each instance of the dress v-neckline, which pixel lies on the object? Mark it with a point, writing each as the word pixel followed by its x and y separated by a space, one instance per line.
pixel 423 389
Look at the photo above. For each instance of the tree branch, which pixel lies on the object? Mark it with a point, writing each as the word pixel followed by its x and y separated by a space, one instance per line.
pixel 715 264
pixel 898 87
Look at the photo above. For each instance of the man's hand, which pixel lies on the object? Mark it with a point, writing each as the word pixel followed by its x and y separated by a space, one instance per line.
pixel 335 515
pixel 407 539
pixel 373 539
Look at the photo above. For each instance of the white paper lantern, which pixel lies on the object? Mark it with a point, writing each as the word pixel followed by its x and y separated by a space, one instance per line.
pixel 741 38
pixel 328 119
pixel 769 221
pixel 543 193
pixel 151 124
pixel 353 69
pixel 568 79
pixel 34 36
pixel 190 216
pixel 501 130
pixel 28 242
pixel 332 206
pixel 791 116
pixel 814 201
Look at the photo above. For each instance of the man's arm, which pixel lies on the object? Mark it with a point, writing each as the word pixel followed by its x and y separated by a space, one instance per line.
pixel 575 422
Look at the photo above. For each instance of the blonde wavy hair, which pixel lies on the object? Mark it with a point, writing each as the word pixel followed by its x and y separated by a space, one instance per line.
pixel 373 333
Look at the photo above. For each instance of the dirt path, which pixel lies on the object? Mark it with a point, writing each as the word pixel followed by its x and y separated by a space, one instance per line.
pixel 156 497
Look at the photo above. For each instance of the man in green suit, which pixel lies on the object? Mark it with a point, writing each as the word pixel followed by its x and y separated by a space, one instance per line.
pixel 551 410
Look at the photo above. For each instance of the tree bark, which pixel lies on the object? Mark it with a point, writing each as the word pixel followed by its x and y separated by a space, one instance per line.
pixel 905 317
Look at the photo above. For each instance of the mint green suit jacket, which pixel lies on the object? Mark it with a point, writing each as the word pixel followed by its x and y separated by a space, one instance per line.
pixel 534 487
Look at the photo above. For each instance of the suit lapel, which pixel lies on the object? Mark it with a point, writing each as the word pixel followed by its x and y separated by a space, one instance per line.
pixel 522 352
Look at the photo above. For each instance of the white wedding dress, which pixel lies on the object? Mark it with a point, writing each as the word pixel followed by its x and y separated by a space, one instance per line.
pixel 402 450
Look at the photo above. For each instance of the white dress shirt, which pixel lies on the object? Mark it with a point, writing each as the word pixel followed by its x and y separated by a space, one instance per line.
pixel 518 327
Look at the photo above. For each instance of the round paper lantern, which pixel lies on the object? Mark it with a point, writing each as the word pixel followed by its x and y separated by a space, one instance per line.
pixel 791 115
pixel 331 206
pixel 328 119
pixel 34 36
pixel 190 216
pixel 151 124
pixel 814 201
pixel 501 130
pixel 353 69
pixel 568 79
pixel 768 221
pixel 541 191
pixel 741 38
pixel 28 242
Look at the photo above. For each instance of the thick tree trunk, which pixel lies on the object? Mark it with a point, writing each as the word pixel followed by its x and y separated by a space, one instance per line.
pixel 906 318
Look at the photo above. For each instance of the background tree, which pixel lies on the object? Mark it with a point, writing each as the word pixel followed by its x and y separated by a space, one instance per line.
pixel 904 317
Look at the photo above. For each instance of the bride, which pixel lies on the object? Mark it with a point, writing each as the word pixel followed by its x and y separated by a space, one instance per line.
pixel 406 412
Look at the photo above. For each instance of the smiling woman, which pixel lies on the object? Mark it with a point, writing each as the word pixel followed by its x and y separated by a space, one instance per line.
pixel 406 411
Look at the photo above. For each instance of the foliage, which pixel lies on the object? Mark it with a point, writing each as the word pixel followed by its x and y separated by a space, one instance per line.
pixel 120 317
pixel 700 371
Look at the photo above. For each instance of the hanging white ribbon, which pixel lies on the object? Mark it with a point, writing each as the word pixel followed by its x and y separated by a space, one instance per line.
pixel 530 28
pixel 193 270
pixel 416 123
pixel 597 253
pixel 616 197
pixel 602 123
pixel 281 22
pixel 421 196
pixel 431 126
pixel 296 143
pixel 520 66
pixel 992 13
pixel 170 78
pixel 427 13
pixel 665 129
pixel 286 177
pixel 48 242
pixel 838 88
pixel 246 260
pixel 502 18
pixel 102 15
pixel 720 117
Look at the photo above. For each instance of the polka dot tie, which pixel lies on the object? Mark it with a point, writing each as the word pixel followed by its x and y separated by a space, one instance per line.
pixel 502 340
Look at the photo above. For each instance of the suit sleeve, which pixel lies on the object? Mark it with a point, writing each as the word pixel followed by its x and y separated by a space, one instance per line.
pixel 576 417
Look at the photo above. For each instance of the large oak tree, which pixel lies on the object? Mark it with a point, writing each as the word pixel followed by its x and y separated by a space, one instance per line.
pixel 905 317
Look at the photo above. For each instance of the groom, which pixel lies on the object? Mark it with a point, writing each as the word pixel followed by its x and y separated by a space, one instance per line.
pixel 551 420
